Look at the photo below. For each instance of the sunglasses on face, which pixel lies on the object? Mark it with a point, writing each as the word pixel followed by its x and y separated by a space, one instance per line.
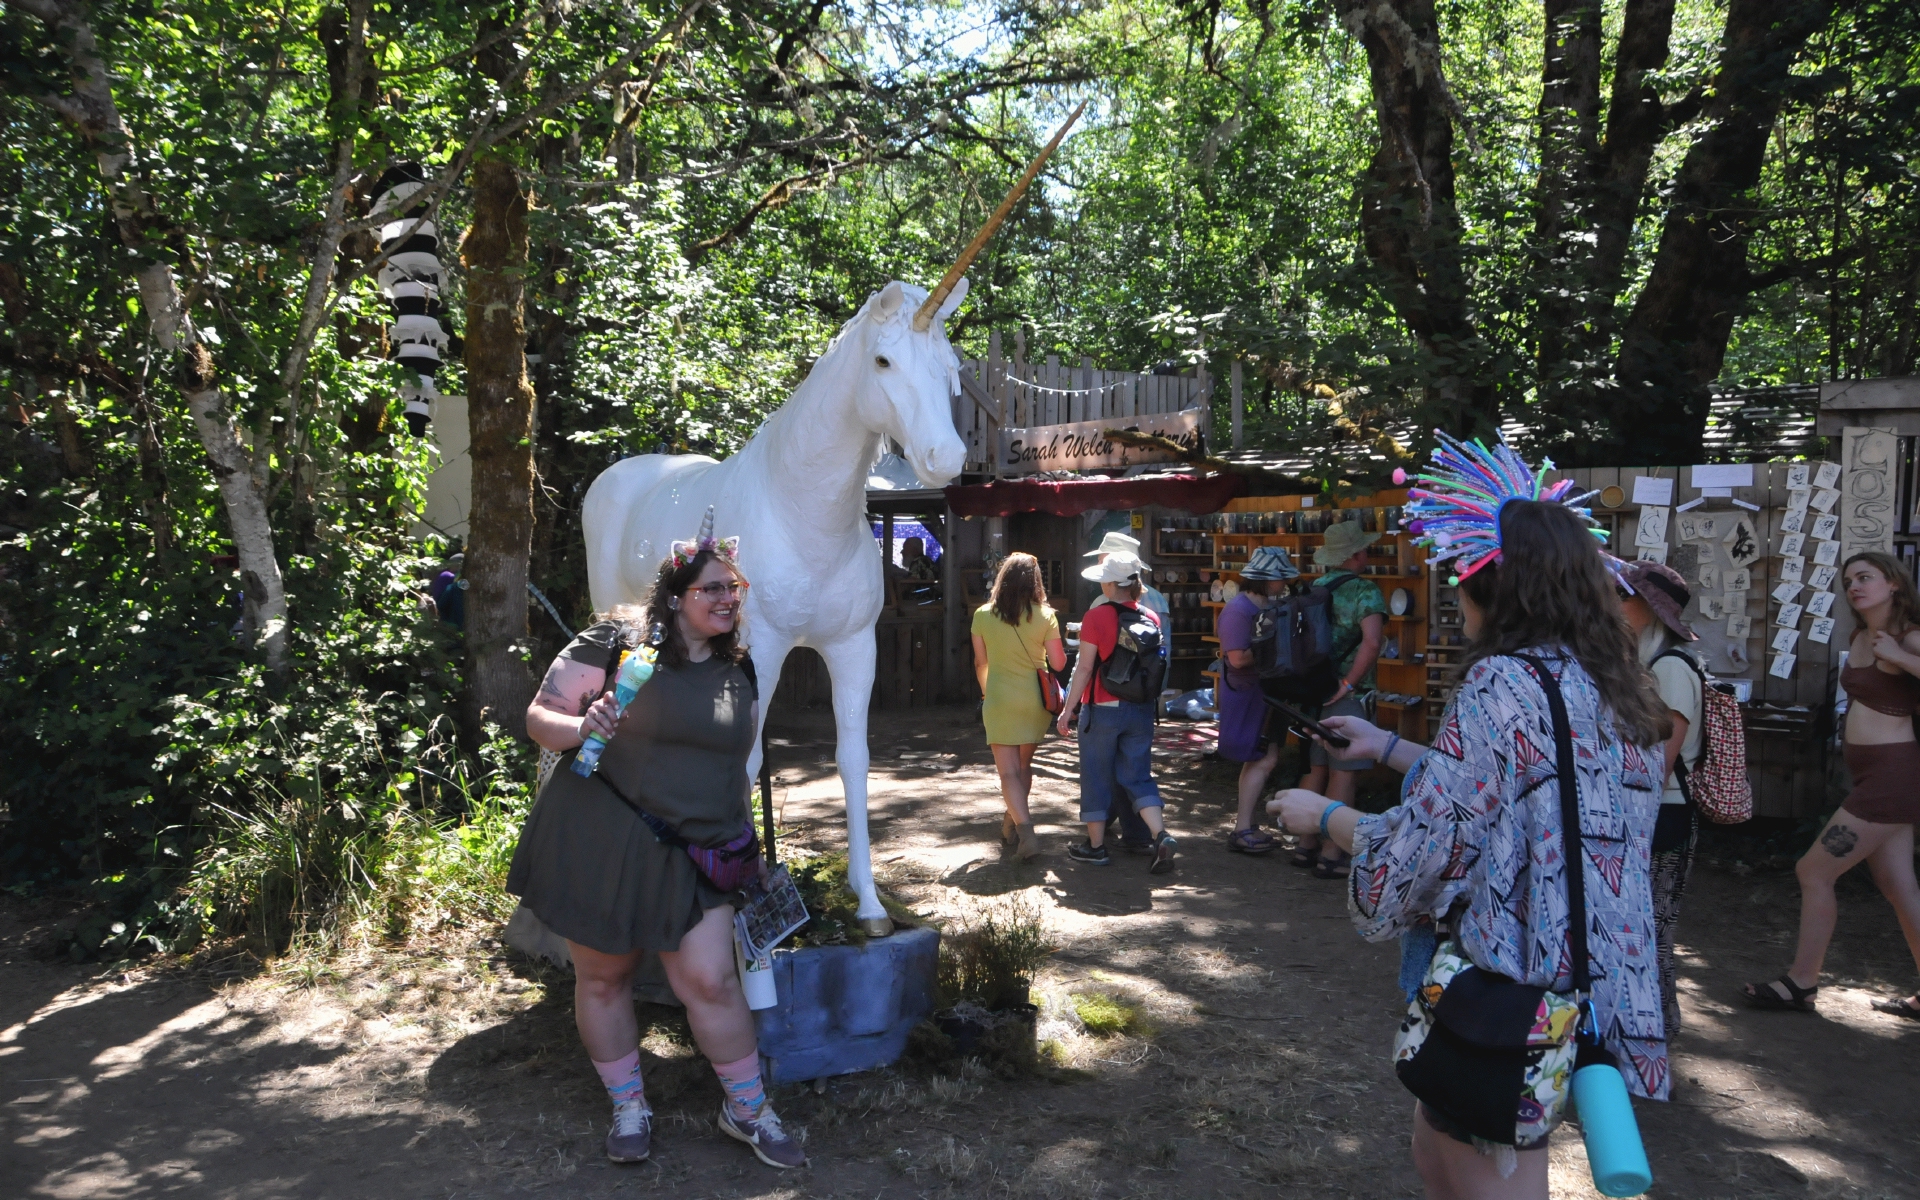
pixel 713 593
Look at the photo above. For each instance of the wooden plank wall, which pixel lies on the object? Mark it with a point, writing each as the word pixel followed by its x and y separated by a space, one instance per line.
pixel 1791 777
pixel 907 669
pixel 1030 394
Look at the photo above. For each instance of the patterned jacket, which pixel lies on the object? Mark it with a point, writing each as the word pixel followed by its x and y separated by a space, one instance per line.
pixel 1479 822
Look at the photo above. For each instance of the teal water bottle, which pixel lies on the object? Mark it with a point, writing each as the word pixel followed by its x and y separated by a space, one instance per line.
pixel 1614 1151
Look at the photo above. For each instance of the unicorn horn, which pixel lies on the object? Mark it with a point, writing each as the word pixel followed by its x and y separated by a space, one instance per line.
pixel 938 296
pixel 706 527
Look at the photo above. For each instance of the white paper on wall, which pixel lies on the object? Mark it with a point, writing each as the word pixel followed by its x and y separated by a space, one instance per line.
pixel 1709 608
pixel 1827 528
pixel 1652 527
pixel 1820 604
pixel 1787 593
pixel 1654 554
pixel 1827 475
pixel 1708 525
pixel 1822 578
pixel 1689 526
pixel 1789 616
pixel 1709 578
pixel 1825 499
pixel 1793 568
pixel 1793 522
pixel 1868 513
pixel 1782 667
pixel 1741 542
pixel 1800 475
pixel 1792 544
pixel 1821 630
pixel 1798 499
pixel 1648 490
pixel 1739 627
pixel 1734 601
pixel 1738 581
pixel 1737 661
pixel 1784 640
pixel 1826 554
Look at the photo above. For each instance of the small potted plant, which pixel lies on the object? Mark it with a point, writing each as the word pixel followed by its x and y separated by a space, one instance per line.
pixel 987 964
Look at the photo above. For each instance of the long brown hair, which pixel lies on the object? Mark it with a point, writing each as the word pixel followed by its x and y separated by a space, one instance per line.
pixel 1551 589
pixel 637 621
pixel 1904 613
pixel 1017 588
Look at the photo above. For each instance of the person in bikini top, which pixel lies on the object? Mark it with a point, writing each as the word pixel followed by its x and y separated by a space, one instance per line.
pixel 1875 822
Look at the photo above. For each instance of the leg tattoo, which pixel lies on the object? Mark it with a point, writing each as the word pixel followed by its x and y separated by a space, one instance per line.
pixel 1839 840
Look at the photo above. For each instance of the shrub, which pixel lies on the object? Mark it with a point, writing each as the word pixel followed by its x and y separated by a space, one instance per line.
pixel 989 956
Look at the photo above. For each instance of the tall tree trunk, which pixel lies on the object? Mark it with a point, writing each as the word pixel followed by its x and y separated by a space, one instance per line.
pixel 92 111
pixel 500 421
pixel 1408 217
pixel 1569 143
pixel 1675 341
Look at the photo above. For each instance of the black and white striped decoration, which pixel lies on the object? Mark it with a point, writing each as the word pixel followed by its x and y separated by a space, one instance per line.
pixel 412 279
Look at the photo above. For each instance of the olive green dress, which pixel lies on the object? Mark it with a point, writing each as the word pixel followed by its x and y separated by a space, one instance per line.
pixel 1013 713
pixel 586 864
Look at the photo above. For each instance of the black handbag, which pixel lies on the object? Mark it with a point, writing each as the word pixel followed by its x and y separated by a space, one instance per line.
pixel 1495 1059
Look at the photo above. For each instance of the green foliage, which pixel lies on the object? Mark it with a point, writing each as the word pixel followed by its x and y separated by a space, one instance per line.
pixel 832 908
pixel 1105 1015
pixel 989 956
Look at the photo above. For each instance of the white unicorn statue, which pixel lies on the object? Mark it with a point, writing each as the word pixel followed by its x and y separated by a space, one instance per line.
pixel 795 495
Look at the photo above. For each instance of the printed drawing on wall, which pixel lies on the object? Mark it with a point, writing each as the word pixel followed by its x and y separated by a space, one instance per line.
pixel 1867 490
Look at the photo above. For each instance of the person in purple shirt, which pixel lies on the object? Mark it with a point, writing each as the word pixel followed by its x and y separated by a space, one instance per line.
pixel 1244 736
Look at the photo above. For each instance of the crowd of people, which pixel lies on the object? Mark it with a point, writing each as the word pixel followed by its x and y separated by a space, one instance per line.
pixel 1578 700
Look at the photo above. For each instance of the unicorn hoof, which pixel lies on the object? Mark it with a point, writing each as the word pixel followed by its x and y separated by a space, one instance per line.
pixel 875 927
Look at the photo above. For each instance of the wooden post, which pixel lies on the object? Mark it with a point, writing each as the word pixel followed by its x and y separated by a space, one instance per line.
pixel 1239 406
pixel 1055 401
pixel 1025 415
pixel 1090 407
pixel 955 620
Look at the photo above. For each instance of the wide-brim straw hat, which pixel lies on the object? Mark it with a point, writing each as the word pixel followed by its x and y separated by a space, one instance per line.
pixel 1116 568
pixel 1343 540
pixel 1115 543
pixel 1666 592
pixel 1269 563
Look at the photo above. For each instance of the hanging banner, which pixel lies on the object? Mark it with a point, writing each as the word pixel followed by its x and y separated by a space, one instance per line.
pixel 1081 446
pixel 1867 496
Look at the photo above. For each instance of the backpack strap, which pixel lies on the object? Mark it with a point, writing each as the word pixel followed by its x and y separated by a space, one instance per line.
pixel 1572 849
pixel 1680 771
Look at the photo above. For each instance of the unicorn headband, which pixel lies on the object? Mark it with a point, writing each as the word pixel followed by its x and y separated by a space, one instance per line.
pixel 1455 506
pixel 727 550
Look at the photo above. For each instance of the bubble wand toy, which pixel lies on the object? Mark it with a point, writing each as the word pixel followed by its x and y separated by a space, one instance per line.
pixel 636 667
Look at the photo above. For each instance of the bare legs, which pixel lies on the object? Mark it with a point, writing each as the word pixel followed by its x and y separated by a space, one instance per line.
pixel 1843 845
pixel 1456 1171
pixel 1015 765
pixel 1334 785
pixel 1253 781
pixel 703 977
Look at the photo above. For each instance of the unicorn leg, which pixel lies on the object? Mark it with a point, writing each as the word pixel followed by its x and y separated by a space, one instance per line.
pixel 850 665
pixel 769 654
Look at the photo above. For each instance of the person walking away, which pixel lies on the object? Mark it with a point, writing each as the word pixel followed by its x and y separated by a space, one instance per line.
pixel 1476 842
pixel 1135 837
pixel 1359 625
pixel 1015 637
pixel 1657 596
pixel 594 869
pixel 1245 728
pixel 448 591
pixel 1116 742
pixel 1875 822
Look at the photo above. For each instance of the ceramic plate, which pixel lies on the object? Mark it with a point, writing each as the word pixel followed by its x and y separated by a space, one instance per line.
pixel 1400 603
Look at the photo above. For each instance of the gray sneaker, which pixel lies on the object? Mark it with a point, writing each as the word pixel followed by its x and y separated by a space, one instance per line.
pixel 1164 849
pixel 770 1143
pixel 631 1138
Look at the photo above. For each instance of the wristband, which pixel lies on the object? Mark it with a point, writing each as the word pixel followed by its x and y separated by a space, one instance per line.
pixel 1386 759
pixel 1326 813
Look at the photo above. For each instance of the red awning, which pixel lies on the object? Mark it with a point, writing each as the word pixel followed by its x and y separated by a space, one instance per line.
pixel 1070 498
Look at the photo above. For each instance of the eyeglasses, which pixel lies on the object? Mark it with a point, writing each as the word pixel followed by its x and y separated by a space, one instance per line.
pixel 713 593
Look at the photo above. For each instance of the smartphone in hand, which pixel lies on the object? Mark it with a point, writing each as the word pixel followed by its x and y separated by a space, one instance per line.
pixel 1302 721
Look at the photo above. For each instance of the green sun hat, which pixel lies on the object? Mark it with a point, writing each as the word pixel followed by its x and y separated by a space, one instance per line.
pixel 1342 542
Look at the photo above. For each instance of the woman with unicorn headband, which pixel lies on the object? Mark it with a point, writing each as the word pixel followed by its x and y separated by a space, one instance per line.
pixel 631 855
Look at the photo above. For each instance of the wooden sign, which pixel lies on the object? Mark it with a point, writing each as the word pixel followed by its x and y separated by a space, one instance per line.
pixel 1867 490
pixel 1081 446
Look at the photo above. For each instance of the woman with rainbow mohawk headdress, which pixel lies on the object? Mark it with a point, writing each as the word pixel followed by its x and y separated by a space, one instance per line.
pixel 1470 868
pixel 608 855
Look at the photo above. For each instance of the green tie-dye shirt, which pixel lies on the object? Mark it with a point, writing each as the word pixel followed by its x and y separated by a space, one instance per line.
pixel 1354 599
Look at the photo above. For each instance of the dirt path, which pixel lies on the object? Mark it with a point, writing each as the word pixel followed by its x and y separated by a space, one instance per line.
pixel 455 1071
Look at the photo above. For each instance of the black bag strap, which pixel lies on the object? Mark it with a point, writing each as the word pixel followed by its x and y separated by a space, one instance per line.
pixel 1680 760
pixel 1569 825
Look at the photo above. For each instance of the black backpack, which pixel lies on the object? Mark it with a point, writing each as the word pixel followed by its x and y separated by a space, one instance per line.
pixel 1293 645
pixel 1136 669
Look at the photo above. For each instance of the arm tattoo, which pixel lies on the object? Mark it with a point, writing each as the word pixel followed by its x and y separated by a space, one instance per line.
pixel 1839 840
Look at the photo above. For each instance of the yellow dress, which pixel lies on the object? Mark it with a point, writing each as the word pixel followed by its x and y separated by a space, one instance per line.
pixel 1013 712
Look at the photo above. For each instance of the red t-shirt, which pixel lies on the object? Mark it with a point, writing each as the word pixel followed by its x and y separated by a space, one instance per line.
pixel 1100 632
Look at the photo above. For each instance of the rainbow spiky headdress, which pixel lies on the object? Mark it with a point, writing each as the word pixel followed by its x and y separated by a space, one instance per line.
pixel 727 550
pixel 1455 505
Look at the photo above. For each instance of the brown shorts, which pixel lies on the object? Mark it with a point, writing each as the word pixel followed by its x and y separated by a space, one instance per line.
pixel 1886 782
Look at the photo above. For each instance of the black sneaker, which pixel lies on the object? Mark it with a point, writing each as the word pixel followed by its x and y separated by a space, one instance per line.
pixel 1087 852
pixel 1164 848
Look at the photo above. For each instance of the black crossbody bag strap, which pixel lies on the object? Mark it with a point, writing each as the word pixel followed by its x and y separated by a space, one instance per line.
pixel 1570 840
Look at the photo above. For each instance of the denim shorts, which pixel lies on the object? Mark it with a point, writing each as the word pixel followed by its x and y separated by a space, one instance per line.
pixel 1116 746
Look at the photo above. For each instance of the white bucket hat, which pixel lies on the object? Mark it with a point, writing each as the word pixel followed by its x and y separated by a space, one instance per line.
pixel 1121 567
pixel 1115 543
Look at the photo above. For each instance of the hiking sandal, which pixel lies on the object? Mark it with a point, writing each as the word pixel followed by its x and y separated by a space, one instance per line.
pixel 1899 1006
pixel 1250 841
pixel 1798 999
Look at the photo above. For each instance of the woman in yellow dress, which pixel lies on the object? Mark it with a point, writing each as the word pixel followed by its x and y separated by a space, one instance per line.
pixel 1014 634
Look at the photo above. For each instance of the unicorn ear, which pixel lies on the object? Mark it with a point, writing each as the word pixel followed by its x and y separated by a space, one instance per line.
pixel 954 298
pixel 887 303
